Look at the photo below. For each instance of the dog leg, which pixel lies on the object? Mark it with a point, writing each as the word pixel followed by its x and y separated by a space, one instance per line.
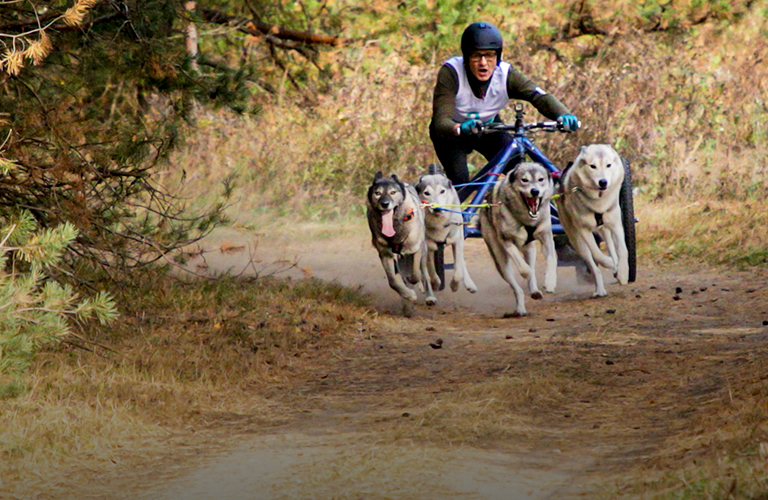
pixel 503 262
pixel 460 274
pixel 533 284
pixel 622 273
pixel 408 308
pixel 608 237
pixel 424 256
pixel 505 269
pixel 550 256
pixel 508 274
pixel 517 257
pixel 584 249
pixel 417 273
pixel 396 281
pixel 432 271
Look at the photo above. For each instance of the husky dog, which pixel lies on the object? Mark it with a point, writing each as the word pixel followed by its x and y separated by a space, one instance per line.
pixel 396 221
pixel 444 227
pixel 590 204
pixel 518 215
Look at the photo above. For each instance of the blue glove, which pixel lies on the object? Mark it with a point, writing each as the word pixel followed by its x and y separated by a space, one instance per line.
pixel 569 122
pixel 471 128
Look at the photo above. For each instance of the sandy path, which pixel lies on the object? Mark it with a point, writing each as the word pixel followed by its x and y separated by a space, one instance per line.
pixel 620 347
pixel 271 466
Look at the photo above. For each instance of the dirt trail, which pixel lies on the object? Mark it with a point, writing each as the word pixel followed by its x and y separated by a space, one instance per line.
pixel 622 376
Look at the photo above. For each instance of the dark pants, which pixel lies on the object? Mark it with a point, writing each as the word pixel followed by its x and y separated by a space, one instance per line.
pixel 452 151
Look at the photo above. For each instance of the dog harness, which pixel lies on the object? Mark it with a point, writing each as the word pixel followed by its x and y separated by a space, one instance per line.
pixel 530 230
pixel 599 219
pixel 398 247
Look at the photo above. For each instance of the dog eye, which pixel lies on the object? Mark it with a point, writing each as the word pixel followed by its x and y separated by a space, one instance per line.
pixel 442 191
pixel 608 166
pixel 593 166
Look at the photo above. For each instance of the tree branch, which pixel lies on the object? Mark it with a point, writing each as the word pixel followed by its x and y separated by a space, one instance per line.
pixel 258 28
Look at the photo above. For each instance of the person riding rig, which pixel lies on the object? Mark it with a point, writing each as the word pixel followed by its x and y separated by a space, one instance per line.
pixel 472 89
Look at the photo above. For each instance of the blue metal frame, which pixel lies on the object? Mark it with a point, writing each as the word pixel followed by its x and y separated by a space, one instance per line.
pixel 512 154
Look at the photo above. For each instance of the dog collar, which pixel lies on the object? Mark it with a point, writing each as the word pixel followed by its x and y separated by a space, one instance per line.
pixel 410 215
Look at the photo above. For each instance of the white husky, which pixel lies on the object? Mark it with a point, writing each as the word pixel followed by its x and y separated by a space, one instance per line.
pixel 590 204
pixel 444 227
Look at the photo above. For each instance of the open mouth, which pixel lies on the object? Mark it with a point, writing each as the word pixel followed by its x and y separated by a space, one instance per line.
pixel 387 225
pixel 533 204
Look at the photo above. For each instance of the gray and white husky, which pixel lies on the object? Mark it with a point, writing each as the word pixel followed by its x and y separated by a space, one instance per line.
pixel 444 227
pixel 518 216
pixel 396 220
pixel 590 204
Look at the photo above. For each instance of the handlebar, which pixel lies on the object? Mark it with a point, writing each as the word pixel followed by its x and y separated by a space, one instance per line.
pixel 520 128
pixel 547 126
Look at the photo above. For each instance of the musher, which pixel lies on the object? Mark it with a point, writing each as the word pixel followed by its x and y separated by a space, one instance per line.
pixel 472 89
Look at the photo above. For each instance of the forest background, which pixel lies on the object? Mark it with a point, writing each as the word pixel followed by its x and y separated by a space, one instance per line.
pixel 118 117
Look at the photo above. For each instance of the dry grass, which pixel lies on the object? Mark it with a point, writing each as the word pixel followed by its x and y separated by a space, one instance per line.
pixel 721 232
pixel 186 358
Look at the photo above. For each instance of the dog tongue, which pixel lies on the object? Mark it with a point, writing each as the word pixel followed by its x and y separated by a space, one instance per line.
pixel 533 204
pixel 387 228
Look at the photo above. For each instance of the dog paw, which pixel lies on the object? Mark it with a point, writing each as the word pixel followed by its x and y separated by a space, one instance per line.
pixel 408 309
pixel 537 295
pixel 454 285
pixel 436 283
pixel 599 294
pixel 431 301
pixel 515 314
pixel 471 288
pixel 410 295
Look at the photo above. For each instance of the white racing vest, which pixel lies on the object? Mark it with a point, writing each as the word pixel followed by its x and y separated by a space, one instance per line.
pixel 468 106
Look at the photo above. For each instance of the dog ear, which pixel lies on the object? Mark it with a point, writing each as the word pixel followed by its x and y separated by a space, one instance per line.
pixel 434 168
pixel 399 183
pixel 378 176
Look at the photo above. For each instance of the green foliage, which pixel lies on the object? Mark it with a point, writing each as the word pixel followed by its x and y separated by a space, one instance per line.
pixel 36 310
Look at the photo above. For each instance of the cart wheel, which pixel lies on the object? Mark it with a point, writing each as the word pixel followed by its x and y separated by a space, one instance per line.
pixel 628 219
pixel 440 265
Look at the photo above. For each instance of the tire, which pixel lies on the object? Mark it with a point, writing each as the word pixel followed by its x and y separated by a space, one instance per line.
pixel 628 219
pixel 440 265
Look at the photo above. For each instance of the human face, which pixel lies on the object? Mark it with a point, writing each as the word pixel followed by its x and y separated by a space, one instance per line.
pixel 482 63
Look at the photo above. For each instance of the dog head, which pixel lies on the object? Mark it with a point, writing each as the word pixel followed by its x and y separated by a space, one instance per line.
pixel 384 196
pixel 436 189
pixel 598 169
pixel 533 183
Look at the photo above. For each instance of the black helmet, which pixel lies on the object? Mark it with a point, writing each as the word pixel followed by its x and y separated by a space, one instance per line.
pixel 481 36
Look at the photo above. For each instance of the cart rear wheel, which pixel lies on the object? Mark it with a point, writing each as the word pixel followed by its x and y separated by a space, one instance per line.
pixel 628 219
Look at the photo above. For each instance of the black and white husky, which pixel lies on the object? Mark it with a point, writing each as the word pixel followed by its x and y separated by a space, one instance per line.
pixel 396 220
